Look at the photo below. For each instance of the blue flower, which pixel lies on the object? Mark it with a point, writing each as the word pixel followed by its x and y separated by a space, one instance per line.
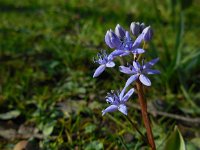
pixel 104 61
pixel 121 41
pixel 128 46
pixel 139 72
pixel 118 101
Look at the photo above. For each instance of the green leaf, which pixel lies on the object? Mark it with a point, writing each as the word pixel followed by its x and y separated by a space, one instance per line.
pixel 10 115
pixel 175 141
pixel 48 129
pixel 191 146
pixel 90 128
pixel 94 145
pixel 196 141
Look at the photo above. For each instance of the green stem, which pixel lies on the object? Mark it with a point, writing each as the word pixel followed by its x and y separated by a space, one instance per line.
pixel 143 47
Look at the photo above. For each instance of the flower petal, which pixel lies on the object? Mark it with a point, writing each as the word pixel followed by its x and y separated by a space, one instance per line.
pixel 138 51
pixel 136 65
pixel 110 64
pixel 109 99
pixel 150 63
pixel 99 70
pixel 119 31
pixel 127 52
pixel 121 95
pixel 126 70
pixel 137 41
pixel 114 39
pixel 107 40
pixel 147 33
pixel 131 79
pixel 151 71
pixel 110 57
pixel 145 80
pixel 110 108
pixel 128 95
pixel 135 28
pixel 128 37
pixel 123 109
pixel 116 53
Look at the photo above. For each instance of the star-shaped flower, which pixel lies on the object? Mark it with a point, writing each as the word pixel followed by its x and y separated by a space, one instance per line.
pixel 139 72
pixel 118 101
pixel 105 61
pixel 128 46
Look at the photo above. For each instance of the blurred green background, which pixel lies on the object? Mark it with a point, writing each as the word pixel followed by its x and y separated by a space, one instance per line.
pixel 48 96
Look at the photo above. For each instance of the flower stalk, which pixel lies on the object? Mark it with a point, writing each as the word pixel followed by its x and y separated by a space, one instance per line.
pixel 143 105
pixel 120 40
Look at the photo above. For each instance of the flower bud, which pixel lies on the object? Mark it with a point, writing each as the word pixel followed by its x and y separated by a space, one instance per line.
pixel 108 40
pixel 147 34
pixel 119 31
pixel 114 39
pixel 135 28
pixel 142 27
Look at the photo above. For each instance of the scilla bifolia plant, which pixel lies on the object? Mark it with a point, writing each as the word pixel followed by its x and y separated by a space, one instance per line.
pixel 123 44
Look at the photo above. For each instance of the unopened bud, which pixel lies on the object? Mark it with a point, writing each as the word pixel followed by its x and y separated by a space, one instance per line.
pixel 108 40
pixel 142 27
pixel 147 33
pixel 119 31
pixel 135 28
pixel 114 39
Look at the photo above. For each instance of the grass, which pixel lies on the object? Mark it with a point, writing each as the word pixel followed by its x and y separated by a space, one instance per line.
pixel 46 51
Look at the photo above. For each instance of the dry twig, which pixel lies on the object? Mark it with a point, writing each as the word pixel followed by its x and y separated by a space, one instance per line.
pixel 169 115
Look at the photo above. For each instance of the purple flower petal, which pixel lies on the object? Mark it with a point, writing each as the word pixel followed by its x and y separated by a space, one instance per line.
pixel 147 33
pixel 128 37
pixel 131 79
pixel 150 63
pixel 145 80
pixel 109 99
pixel 128 95
pixel 110 108
pixel 142 26
pixel 117 53
pixel 107 40
pixel 151 71
pixel 123 109
pixel 121 95
pixel 126 70
pixel 110 64
pixel 135 28
pixel 114 39
pixel 138 51
pixel 110 57
pixel 136 65
pixel 99 70
pixel 125 53
pixel 119 31
pixel 138 41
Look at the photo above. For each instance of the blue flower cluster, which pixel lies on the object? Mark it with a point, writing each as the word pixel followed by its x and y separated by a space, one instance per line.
pixel 123 44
